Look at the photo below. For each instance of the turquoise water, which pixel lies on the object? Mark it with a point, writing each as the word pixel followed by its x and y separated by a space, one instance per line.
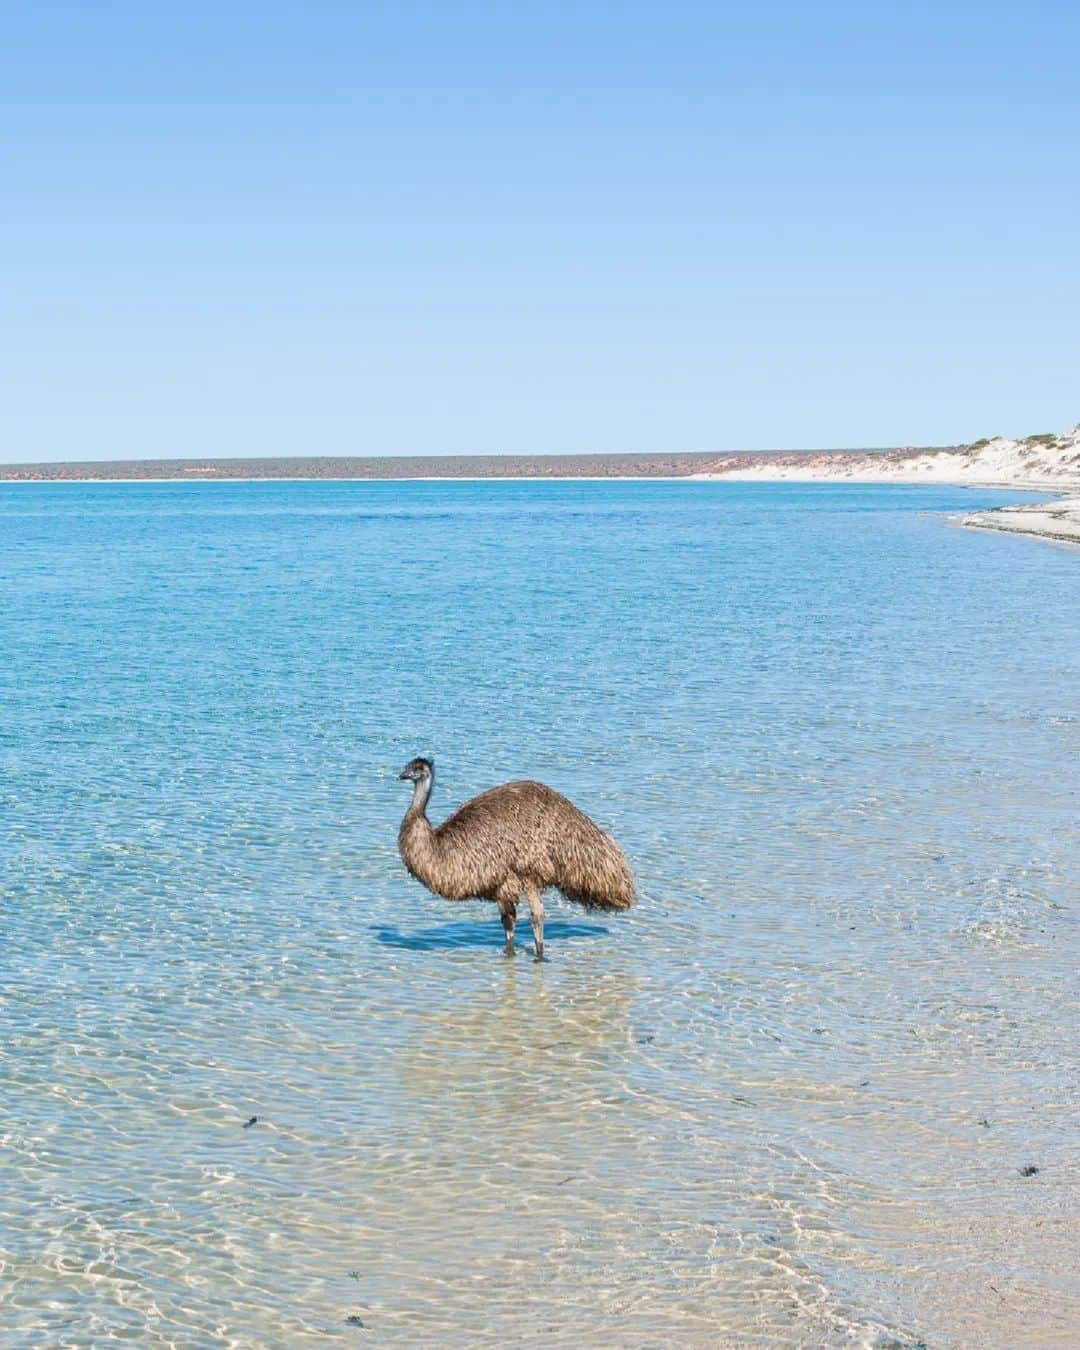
pixel 785 1101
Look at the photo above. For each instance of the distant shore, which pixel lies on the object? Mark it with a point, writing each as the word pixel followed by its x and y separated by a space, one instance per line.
pixel 340 467
pixel 1044 462
pixel 1039 463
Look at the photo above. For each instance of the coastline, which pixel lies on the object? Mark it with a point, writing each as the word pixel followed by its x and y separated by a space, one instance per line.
pixel 1057 520
pixel 1042 463
pixel 428 478
pixel 1000 465
pixel 345 468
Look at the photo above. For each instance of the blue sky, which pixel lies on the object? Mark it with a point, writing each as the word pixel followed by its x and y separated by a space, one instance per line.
pixel 458 227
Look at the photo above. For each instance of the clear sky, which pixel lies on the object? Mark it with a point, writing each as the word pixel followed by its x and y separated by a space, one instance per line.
pixel 404 228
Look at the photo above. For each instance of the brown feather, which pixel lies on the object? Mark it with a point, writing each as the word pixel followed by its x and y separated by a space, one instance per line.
pixel 512 839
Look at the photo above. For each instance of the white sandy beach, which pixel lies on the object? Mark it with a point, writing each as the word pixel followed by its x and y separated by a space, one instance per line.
pixel 1043 461
pixel 1037 462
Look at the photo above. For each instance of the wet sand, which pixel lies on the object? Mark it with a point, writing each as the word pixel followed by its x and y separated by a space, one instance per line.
pixel 1058 520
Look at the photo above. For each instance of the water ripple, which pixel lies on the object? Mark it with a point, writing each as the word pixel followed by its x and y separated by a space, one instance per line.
pixel 260 1089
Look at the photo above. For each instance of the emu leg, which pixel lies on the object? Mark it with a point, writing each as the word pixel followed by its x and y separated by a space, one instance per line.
pixel 508 911
pixel 536 916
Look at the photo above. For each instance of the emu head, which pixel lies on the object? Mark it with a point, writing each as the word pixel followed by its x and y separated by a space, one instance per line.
pixel 418 771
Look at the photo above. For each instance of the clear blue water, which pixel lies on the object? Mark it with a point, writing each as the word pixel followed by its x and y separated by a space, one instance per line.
pixel 838 738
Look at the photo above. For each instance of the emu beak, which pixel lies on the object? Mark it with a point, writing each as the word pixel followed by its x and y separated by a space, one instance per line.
pixel 403 776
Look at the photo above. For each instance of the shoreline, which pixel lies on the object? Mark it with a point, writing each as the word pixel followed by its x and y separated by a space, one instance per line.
pixel 411 478
pixel 346 468
pixel 1057 521
pixel 883 481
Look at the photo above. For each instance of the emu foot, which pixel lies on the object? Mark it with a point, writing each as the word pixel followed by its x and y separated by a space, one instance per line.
pixel 508 950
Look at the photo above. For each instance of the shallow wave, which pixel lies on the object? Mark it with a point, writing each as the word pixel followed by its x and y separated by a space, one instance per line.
pixel 260 1089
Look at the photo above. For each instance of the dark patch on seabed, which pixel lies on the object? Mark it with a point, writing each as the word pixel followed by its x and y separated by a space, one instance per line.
pixel 472 934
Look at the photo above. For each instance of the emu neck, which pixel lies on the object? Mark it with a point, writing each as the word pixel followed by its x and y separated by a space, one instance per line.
pixel 416 839
pixel 421 793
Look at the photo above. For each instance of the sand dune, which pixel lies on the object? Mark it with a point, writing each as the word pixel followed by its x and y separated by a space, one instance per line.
pixel 1038 461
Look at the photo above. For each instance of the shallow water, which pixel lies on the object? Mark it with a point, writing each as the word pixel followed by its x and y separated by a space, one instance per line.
pixel 784 1102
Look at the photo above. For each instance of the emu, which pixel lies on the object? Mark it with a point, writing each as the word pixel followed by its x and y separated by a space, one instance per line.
pixel 511 841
